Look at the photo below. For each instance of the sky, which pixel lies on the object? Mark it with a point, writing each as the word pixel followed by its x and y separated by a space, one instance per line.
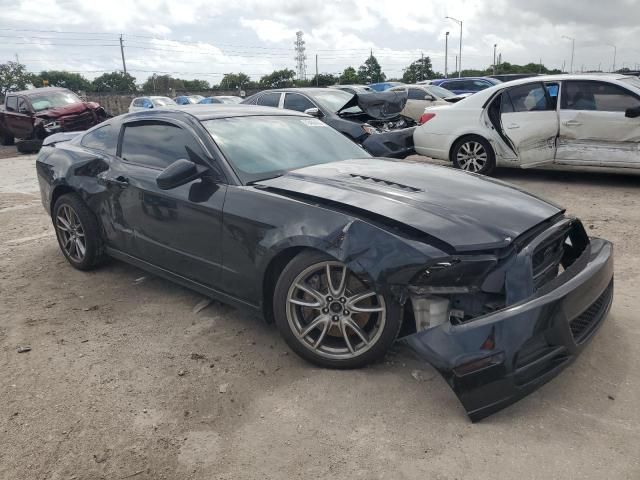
pixel 207 38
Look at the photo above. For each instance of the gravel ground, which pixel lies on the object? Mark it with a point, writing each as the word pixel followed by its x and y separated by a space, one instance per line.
pixel 126 379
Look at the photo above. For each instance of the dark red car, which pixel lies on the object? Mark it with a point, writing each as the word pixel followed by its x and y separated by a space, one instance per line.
pixel 31 115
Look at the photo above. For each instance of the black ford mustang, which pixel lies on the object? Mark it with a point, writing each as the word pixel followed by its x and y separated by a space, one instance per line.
pixel 276 212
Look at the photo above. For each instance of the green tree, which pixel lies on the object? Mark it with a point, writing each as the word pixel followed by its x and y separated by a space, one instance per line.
pixel 115 82
pixel 349 76
pixel 421 69
pixel 162 84
pixel 278 79
pixel 232 81
pixel 323 80
pixel 13 76
pixel 196 85
pixel 60 78
pixel 370 71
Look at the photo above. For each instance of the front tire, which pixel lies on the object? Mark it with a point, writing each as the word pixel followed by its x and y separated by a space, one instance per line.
pixel 77 232
pixel 473 154
pixel 331 317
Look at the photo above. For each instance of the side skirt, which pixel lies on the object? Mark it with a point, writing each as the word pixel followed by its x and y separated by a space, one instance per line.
pixel 185 282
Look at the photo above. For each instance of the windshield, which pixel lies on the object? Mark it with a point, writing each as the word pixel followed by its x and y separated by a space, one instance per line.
pixel 439 91
pixel 264 147
pixel 635 81
pixel 163 101
pixel 46 101
pixel 333 100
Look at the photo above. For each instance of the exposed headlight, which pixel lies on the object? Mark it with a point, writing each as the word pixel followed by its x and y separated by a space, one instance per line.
pixel 369 129
pixel 51 126
pixel 431 290
pixel 453 275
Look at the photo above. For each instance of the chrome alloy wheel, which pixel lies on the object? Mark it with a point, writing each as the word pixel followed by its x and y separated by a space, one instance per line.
pixel 71 233
pixel 472 156
pixel 334 313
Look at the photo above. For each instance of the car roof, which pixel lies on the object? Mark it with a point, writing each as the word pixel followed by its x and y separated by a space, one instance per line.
pixel 209 111
pixel 39 90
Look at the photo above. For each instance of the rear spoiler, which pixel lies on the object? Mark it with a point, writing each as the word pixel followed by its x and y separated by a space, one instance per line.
pixel 59 138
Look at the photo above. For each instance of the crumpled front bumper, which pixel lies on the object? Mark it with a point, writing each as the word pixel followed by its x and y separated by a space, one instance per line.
pixel 391 144
pixel 493 361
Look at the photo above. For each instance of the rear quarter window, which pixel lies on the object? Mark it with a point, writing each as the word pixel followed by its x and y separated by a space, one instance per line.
pixel 104 138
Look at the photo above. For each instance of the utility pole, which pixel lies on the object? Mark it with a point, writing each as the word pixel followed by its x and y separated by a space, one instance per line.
pixel 124 65
pixel 457 64
pixel 495 45
pixel 422 60
pixel 540 70
pixel 614 56
pixel 17 58
pixel 446 53
pixel 459 22
pixel 317 79
pixel 573 48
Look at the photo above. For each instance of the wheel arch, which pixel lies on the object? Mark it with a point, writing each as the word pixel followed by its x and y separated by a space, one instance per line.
pixel 57 192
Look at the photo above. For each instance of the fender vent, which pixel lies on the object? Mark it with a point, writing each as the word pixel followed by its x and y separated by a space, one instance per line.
pixel 378 181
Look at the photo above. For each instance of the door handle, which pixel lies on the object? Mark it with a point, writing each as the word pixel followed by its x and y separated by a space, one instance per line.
pixel 513 125
pixel 572 123
pixel 119 181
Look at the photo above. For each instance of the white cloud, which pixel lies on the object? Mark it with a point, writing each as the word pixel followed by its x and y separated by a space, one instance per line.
pixel 268 30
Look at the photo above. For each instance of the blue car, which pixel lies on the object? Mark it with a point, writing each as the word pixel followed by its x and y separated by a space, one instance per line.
pixel 465 84
pixel 228 99
pixel 382 86
pixel 188 99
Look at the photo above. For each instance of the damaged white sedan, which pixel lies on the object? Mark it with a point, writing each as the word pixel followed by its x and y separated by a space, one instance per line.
pixel 562 121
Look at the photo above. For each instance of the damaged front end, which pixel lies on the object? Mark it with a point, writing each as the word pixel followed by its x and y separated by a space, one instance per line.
pixel 386 133
pixel 497 326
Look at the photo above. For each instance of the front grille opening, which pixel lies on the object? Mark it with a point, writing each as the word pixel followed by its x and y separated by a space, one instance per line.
pixel 558 253
pixel 585 323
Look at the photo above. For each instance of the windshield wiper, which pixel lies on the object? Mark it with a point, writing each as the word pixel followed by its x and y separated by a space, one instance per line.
pixel 253 182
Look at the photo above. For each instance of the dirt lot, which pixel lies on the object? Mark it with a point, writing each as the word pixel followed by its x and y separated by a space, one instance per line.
pixel 124 380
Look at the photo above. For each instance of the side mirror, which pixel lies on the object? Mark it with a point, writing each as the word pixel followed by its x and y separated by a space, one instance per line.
pixel 430 98
pixel 179 173
pixel 314 112
pixel 150 105
pixel 632 112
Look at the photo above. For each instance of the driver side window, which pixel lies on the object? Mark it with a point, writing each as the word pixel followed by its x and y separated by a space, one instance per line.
pixel 295 101
pixel 158 144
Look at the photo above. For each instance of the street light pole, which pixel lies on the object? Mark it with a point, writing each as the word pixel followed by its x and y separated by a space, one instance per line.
pixel 573 48
pixel 614 56
pixel 446 53
pixel 459 22
pixel 495 45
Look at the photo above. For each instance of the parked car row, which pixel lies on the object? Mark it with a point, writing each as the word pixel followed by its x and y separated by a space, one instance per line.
pixel 145 103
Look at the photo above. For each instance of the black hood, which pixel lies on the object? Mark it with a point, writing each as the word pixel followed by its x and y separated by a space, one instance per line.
pixel 379 105
pixel 467 211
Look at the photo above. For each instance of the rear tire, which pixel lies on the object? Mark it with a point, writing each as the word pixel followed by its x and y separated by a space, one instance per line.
pixel 78 232
pixel 6 139
pixel 29 146
pixel 338 323
pixel 473 154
